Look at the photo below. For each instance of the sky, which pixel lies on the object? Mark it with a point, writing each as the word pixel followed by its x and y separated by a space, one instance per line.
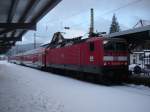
pixel 76 15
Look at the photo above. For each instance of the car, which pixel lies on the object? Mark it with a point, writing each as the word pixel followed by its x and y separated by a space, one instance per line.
pixel 136 68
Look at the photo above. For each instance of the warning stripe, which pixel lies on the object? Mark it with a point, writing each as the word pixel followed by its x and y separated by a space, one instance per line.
pixel 115 58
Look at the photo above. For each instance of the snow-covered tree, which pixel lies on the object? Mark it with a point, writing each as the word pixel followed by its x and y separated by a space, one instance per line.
pixel 114 25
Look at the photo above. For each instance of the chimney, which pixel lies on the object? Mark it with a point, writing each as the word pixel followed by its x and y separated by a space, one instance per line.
pixel 91 30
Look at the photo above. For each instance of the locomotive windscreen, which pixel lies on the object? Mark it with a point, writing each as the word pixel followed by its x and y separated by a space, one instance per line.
pixel 114 45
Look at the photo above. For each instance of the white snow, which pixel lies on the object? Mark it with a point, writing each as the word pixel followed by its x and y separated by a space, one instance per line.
pixel 24 89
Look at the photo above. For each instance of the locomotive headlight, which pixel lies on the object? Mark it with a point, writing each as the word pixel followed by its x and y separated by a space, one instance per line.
pixel 125 63
pixel 105 42
pixel 105 63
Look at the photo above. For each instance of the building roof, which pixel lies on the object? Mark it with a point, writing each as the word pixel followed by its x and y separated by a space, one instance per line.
pixel 142 33
pixel 134 37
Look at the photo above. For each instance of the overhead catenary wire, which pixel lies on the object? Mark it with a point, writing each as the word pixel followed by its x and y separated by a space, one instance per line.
pixel 114 10
pixel 106 13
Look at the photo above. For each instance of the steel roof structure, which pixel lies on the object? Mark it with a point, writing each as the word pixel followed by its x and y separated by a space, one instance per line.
pixel 19 16
pixel 142 33
pixel 135 37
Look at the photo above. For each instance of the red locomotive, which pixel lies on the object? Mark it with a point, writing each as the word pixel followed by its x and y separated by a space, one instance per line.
pixel 98 56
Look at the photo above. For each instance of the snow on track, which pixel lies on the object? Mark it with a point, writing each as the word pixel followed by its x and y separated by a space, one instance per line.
pixel 24 89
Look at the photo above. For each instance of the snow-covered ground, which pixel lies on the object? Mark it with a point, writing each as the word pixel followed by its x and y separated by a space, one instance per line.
pixel 24 89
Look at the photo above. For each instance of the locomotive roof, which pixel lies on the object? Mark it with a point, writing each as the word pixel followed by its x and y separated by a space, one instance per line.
pixel 114 39
pixel 69 42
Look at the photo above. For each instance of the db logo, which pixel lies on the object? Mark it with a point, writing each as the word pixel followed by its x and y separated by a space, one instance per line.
pixel 91 58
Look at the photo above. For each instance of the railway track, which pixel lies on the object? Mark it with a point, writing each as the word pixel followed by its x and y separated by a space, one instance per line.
pixel 134 79
pixel 139 80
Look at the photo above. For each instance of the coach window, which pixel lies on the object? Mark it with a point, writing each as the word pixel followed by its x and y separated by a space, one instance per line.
pixel 91 46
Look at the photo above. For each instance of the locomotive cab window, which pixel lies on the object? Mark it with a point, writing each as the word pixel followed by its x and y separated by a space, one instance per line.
pixel 91 46
pixel 115 45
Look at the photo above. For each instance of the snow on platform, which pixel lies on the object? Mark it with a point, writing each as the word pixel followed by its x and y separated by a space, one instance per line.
pixel 24 89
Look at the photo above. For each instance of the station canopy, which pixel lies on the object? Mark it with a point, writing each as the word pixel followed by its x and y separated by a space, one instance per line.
pixel 134 37
pixel 19 16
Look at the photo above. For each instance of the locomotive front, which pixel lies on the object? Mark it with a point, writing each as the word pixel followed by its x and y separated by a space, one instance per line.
pixel 115 59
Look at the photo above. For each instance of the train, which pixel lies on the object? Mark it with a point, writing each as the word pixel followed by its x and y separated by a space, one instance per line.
pixel 97 56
